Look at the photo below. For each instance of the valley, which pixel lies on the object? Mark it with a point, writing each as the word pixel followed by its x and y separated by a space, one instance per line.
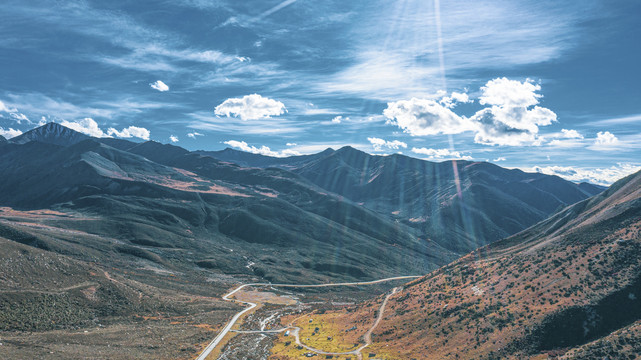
pixel 131 250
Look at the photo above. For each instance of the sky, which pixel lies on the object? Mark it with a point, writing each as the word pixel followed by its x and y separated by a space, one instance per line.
pixel 547 86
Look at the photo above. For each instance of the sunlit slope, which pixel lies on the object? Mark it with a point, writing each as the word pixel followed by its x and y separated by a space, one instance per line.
pixel 562 284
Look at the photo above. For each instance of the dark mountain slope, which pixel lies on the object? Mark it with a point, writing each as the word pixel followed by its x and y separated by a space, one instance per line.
pixel 205 206
pixel 255 160
pixel 460 205
pixel 564 283
pixel 2 139
pixel 51 133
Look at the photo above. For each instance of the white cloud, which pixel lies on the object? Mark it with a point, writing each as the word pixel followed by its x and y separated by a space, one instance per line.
pixel 131 131
pixel 441 154
pixel 420 117
pixel 632 119
pixel 453 99
pixel 605 139
pixel 337 119
pixel 173 138
pixel 571 134
pixel 250 107
pixel 513 118
pixel 159 85
pixel 567 143
pixel 291 144
pixel 600 176
pixel 194 134
pixel 242 58
pixel 566 139
pixel 9 133
pixel 87 126
pixel 5 108
pixel 263 150
pixel 500 158
pixel 510 93
pixel 14 114
pixel 380 144
pixel 19 118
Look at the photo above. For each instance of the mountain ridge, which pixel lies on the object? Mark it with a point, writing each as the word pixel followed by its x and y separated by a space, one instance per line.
pixel 558 288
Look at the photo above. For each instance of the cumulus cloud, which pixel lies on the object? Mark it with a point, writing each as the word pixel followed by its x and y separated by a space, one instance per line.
pixel 338 119
pixel 194 134
pixel 291 144
pixel 263 150
pixel 160 86
pixel 453 99
pixel 87 126
pixel 600 176
pixel 173 138
pixel 512 118
pixel 441 154
pixel 9 133
pixel 250 107
pixel 605 138
pixel 510 93
pixel 129 132
pixel 571 134
pixel 419 117
pixel 381 145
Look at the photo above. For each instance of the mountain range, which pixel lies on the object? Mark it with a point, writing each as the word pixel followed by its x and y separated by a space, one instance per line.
pixel 420 214
pixel 567 287
pixel 117 229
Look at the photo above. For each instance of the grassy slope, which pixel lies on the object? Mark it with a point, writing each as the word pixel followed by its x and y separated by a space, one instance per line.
pixel 561 284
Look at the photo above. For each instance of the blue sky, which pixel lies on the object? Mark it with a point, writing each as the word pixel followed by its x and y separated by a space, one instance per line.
pixel 544 86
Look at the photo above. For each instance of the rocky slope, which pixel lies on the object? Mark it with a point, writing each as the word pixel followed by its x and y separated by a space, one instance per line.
pixel 569 286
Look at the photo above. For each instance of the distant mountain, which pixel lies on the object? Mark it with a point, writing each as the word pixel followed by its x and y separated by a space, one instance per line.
pixel 569 285
pixel 255 160
pixel 51 133
pixel 166 197
pixel 2 139
pixel 460 205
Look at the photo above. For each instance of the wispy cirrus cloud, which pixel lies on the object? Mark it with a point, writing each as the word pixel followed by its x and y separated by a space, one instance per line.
pixel 475 35
pixel 204 120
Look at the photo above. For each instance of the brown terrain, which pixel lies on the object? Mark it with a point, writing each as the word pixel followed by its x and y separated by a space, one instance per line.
pixel 569 286
pixel 57 307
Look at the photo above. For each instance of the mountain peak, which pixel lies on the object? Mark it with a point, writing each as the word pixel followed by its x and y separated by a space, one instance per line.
pixel 51 133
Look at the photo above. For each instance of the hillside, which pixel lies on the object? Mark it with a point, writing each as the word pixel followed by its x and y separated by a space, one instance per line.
pixel 191 209
pixel 459 205
pixel 568 285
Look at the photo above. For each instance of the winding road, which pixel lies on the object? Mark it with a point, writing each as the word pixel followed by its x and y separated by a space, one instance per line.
pixel 212 345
